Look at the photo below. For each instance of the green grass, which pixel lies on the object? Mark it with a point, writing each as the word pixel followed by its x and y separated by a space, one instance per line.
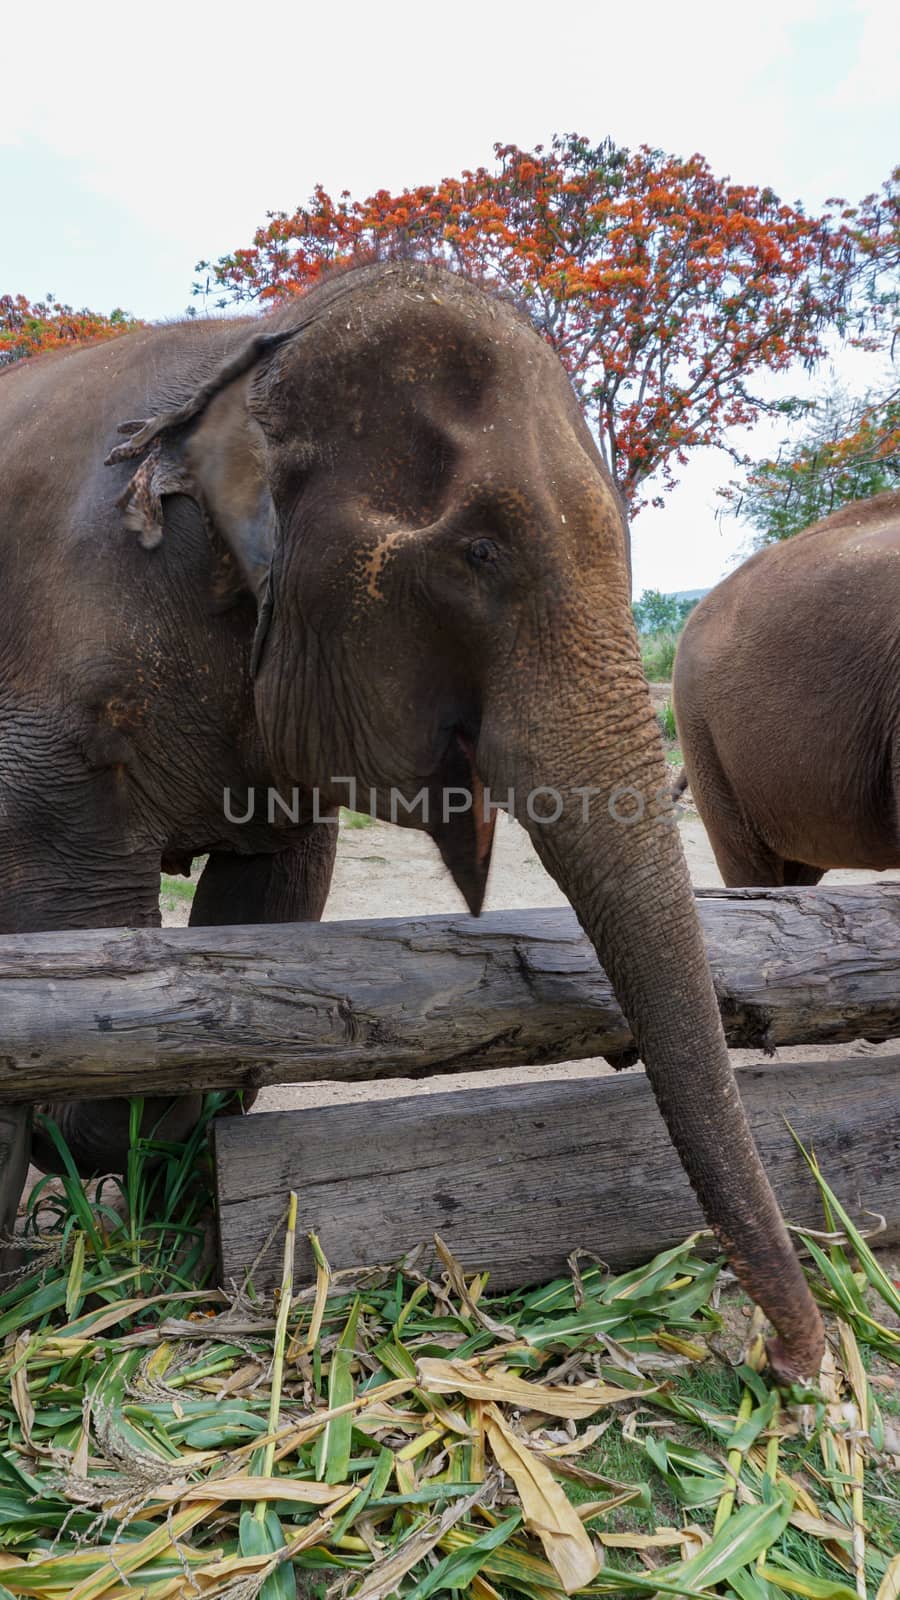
pixel 355 819
pixel 176 891
pixel 122 1454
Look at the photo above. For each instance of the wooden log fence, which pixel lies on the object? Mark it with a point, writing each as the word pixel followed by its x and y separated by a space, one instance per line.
pixel 154 1011
pixel 515 1177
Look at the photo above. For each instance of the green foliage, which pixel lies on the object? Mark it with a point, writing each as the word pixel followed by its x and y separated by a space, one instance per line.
pixel 148 1226
pixel 355 819
pixel 109 1392
pixel 655 612
pixel 658 655
pixel 849 449
pixel 660 619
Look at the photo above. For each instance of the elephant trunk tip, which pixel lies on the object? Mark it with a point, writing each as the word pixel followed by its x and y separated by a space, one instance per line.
pixel 796 1360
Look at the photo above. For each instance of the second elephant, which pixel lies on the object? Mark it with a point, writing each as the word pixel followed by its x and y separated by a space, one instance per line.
pixel 787 698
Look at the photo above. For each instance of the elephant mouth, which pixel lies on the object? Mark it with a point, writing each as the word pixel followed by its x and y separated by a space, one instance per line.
pixel 461 825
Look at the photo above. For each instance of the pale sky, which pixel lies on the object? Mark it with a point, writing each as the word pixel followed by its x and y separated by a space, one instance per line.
pixel 140 140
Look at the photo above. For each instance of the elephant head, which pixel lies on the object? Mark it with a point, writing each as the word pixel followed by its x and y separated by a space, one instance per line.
pixel 404 476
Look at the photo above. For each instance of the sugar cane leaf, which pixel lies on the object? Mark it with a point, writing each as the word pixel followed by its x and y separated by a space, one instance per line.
pixel 266 1538
pixel 547 1509
pixel 808 1585
pixel 333 1451
pixel 457 1570
pixel 739 1541
pixel 463 1377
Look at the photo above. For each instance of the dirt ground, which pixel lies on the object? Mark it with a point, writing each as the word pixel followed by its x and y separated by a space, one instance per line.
pixel 385 871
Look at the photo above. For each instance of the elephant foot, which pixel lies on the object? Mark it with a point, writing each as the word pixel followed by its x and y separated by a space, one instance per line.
pixel 97 1132
pixel 15 1157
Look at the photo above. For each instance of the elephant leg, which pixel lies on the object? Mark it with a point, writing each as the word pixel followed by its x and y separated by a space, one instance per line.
pixel 742 857
pixel 60 882
pixel 15 1151
pixel 746 862
pixel 97 1131
pixel 289 886
pixel 799 874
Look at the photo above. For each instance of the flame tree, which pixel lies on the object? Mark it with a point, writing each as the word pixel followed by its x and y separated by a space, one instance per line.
pixel 848 447
pixel 28 328
pixel 668 292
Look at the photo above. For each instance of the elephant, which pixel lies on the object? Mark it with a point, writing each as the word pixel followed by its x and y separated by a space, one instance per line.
pixel 369 535
pixel 786 689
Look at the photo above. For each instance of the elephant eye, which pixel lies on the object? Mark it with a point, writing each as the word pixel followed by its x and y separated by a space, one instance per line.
pixel 481 552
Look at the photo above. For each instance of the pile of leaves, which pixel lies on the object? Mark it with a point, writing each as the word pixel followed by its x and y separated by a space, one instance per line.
pixel 399 1431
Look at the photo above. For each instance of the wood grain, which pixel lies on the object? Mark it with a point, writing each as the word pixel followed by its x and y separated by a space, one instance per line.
pixel 156 1011
pixel 516 1177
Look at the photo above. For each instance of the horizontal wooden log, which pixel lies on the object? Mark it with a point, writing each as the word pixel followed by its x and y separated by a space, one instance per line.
pixel 156 1011
pixel 516 1177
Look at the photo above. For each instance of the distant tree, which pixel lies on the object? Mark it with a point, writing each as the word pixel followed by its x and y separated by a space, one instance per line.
pixel 848 446
pixel 655 612
pixel 665 290
pixel 28 328
pixel 848 450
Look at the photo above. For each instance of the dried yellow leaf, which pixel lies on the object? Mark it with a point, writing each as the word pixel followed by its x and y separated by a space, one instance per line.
pixel 889 1588
pixel 504 1388
pixel 547 1510
pixel 246 1487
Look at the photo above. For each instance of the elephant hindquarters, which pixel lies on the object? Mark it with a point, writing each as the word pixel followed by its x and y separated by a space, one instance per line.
pixel 742 856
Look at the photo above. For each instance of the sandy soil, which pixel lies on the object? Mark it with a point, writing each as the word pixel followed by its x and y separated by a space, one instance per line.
pixel 384 871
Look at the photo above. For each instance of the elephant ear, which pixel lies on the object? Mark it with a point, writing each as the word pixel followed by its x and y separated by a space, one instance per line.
pixel 212 449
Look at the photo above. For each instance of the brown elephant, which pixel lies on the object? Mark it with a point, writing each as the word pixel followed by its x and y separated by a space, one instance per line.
pixel 786 689
pixel 370 536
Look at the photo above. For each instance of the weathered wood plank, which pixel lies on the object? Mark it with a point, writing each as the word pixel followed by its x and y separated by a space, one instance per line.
pixel 155 1011
pixel 516 1177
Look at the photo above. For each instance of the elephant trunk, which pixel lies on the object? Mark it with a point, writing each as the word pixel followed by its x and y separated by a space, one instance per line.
pixel 616 854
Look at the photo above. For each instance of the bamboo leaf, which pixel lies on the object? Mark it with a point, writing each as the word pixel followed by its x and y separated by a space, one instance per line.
pixel 457 1571
pixel 333 1450
pixel 736 1544
pixel 503 1388
pixel 547 1510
